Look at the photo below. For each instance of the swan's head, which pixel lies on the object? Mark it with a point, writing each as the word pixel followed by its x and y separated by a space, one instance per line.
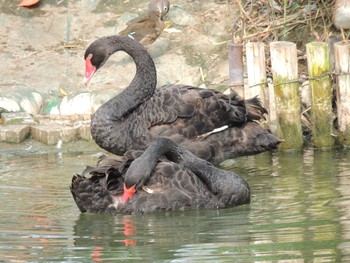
pixel 95 56
pixel 133 181
pixel 135 177
pixel 160 6
pixel 128 193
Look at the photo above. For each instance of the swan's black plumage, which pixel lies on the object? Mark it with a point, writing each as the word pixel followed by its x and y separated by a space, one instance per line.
pixel 175 178
pixel 185 114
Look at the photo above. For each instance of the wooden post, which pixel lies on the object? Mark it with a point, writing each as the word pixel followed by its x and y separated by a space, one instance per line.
pixel 273 121
pixel 257 82
pixel 255 55
pixel 285 80
pixel 321 94
pixel 342 70
pixel 236 71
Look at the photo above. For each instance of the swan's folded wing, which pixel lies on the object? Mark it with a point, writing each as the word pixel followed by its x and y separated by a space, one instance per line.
pixel 191 111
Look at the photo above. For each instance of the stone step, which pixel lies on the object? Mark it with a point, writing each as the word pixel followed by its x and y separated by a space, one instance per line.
pixel 50 134
pixel 14 133
pixel 17 126
pixel 16 118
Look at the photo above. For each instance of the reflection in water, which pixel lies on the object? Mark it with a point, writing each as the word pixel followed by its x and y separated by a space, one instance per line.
pixel 105 235
pixel 159 236
pixel 342 203
pixel 300 211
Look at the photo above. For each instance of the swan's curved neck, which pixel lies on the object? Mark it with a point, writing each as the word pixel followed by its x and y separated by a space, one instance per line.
pixel 143 84
pixel 142 167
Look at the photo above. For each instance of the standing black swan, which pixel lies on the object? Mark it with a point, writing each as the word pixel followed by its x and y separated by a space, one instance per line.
pixel 165 177
pixel 212 125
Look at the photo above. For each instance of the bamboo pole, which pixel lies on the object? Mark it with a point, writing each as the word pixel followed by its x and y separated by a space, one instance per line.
pixel 285 80
pixel 321 94
pixel 236 71
pixel 342 70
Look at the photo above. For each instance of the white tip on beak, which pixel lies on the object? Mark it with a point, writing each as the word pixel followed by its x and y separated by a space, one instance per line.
pixel 86 80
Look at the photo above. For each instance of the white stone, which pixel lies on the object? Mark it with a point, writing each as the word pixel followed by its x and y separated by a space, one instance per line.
pixel 79 104
pixel 9 104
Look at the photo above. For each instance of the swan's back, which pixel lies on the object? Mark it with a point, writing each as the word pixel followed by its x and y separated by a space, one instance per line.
pixel 190 116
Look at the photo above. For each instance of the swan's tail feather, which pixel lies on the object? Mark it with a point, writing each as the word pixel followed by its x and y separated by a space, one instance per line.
pixel 77 189
pixel 94 189
pixel 240 110
pixel 91 194
pixel 234 142
pixel 255 109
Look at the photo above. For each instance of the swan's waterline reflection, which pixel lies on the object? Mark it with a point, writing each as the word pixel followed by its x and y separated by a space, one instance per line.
pixel 299 211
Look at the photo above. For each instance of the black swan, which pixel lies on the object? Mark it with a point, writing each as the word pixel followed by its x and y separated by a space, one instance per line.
pixel 165 177
pixel 147 29
pixel 211 124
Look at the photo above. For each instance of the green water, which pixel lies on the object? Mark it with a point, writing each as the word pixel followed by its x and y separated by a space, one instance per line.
pixel 299 212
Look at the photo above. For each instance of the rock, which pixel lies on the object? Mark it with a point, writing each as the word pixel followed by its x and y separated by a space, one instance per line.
pixel 21 98
pixel 14 133
pixel 9 104
pixel 51 133
pixel 15 118
pixel 79 104
pixel 32 104
pixel 69 120
pixel 84 132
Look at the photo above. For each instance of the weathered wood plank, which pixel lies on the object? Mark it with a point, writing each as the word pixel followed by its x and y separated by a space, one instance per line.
pixel 285 80
pixel 342 70
pixel 318 63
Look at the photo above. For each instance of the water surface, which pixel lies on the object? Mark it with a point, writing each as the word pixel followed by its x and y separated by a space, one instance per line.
pixel 299 212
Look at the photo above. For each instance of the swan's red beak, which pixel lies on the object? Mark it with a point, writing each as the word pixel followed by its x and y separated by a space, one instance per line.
pixel 128 193
pixel 89 69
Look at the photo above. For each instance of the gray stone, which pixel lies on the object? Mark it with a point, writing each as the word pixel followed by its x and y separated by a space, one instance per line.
pixel 51 133
pixel 12 118
pixel 84 132
pixel 14 133
pixel 21 98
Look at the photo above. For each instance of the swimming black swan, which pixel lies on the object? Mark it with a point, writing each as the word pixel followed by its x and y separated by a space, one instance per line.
pixel 165 177
pixel 212 125
pixel 147 29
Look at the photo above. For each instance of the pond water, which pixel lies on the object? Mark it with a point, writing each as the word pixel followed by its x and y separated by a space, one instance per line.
pixel 299 212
